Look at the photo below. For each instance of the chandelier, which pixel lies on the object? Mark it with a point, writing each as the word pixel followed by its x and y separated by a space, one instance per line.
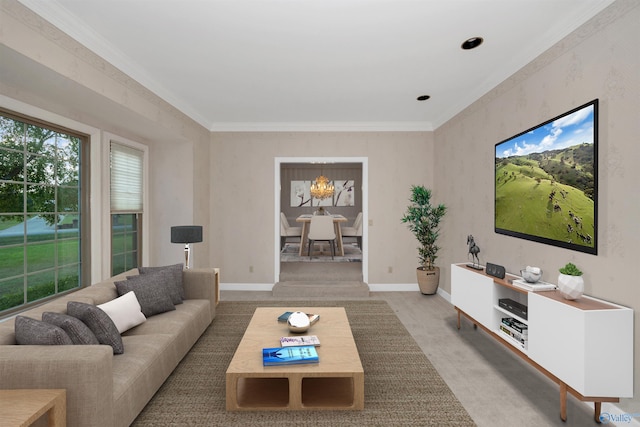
pixel 321 188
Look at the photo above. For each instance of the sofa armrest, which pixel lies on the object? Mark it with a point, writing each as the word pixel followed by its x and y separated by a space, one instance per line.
pixel 85 371
pixel 202 283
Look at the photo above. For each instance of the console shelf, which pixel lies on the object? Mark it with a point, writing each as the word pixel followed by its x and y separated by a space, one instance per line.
pixel 565 338
pixel 510 314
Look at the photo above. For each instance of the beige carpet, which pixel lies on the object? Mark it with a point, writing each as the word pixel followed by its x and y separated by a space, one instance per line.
pixel 401 386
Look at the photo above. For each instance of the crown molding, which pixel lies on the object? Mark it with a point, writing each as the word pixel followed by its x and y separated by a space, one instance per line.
pixel 323 127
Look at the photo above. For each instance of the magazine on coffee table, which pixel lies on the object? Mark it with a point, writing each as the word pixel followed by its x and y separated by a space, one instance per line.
pixel 299 340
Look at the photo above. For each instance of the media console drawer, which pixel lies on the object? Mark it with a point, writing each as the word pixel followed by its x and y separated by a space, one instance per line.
pixel 590 350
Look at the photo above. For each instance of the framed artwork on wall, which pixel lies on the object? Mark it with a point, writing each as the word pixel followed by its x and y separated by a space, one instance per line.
pixel 324 202
pixel 300 194
pixel 344 192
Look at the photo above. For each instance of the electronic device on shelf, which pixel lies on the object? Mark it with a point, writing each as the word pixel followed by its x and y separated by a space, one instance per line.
pixel 513 307
pixel 495 270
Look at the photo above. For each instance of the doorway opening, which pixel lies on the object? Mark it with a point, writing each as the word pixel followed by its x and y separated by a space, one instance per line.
pixel 294 171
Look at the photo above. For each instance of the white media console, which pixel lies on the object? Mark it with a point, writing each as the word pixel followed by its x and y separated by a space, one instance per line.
pixel 585 345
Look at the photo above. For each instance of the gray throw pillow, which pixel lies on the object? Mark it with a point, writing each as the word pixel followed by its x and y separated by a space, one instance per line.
pixel 152 291
pixel 177 289
pixel 74 327
pixel 34 332
pixel 99 322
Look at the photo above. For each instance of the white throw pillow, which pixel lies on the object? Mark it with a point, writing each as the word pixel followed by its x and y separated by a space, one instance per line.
pixel 125 311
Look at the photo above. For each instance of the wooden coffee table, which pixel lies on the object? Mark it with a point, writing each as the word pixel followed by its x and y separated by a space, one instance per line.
pixel 336 382
pixel 24 407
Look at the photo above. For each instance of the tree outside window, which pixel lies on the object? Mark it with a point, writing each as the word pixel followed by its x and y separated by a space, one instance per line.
pixel 40 211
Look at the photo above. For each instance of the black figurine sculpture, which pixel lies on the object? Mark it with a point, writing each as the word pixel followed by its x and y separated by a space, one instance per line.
pixel 474 250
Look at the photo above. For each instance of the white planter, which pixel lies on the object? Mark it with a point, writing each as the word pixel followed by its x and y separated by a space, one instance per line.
pixel 571 287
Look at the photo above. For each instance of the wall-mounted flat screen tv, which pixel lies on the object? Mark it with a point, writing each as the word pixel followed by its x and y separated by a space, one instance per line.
pixel 546 181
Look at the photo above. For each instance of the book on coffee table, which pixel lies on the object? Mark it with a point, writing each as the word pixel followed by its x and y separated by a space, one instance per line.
pixel 313 318
pixel 289 355
pixel 299 340
pixel 284 316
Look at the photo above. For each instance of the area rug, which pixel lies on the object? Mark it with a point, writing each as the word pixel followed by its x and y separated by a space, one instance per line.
pixel 402 388
pixel 321 253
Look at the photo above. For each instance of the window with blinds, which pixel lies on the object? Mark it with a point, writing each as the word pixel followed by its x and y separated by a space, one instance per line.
pixel 127 166
pixel 126 178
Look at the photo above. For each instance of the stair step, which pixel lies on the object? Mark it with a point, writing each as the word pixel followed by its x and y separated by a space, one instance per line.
pixel 320 288
pixel 321 272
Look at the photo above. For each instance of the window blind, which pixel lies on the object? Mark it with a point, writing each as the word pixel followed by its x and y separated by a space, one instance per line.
pixel 126 178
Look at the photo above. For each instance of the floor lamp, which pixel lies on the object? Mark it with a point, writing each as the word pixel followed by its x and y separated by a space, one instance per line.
pixel 186 234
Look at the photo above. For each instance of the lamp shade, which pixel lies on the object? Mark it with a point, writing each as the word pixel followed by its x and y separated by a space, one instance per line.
pixel 186 234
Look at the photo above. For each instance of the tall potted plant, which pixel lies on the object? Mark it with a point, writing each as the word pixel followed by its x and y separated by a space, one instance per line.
pixel 423 219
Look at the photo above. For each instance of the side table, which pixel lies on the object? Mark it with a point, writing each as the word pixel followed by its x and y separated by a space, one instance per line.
pixel 23 407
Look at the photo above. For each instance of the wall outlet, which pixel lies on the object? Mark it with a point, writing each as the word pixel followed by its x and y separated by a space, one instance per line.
pixel 251 269
pixel 390 269
pixel 370 223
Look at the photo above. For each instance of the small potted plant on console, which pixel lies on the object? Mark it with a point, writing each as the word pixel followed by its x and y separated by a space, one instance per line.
pixel 423 220
pixel 570 282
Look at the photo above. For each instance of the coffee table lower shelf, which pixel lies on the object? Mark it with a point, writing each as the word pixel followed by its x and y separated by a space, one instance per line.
pixel 295 392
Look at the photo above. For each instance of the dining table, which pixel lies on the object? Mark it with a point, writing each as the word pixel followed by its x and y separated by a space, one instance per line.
pixel 306 224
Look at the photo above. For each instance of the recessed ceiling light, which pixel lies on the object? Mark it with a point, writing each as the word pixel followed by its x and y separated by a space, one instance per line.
pixel 472 43
pixel 423 97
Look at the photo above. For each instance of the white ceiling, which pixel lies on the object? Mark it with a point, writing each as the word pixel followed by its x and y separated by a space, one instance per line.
pixel 317 64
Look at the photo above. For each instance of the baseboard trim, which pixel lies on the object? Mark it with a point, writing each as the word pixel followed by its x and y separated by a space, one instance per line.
pixel 246 286
pixel 444 294
pixel 394 287
pixel 373 287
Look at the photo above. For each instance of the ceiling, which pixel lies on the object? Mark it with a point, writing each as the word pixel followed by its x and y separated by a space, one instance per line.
pixel 317 64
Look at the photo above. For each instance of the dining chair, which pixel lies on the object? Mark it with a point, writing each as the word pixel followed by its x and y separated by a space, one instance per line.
pixel 287 231
pixel 321 228
pixel 355 230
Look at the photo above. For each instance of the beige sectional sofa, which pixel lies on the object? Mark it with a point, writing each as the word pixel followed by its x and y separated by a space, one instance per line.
pixel 104 389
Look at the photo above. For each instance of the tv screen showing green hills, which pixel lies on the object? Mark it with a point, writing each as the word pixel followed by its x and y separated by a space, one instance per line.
pixel 548 194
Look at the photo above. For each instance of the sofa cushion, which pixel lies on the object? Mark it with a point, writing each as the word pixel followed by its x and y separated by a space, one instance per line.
pixel 74 327
pixel 57 305
pixel 99 322
pixel 100 293
pixel 176 286
pixel 152 291
pixel 139 373
pixel 125 311
pixel 35 332
pixel 185 325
